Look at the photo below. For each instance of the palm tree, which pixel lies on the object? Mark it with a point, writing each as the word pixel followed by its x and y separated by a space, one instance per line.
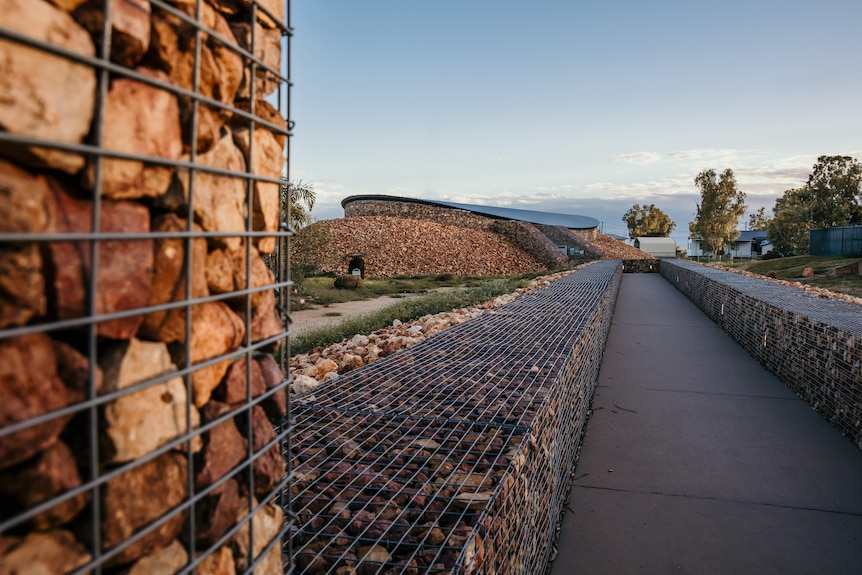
pixel 297 200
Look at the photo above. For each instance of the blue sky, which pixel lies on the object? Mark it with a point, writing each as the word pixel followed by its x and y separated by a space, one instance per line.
pixel 570 106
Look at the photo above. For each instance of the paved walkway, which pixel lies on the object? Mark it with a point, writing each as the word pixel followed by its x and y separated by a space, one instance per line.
pixel 697 460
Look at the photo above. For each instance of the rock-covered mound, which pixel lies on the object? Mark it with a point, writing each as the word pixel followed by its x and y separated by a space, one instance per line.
pixel 611 249
pixel 394 246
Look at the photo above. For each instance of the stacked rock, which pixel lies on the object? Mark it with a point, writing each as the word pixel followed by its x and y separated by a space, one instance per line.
pixel 139 177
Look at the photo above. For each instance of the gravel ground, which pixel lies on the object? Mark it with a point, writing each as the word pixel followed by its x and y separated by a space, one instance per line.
pixel 306 320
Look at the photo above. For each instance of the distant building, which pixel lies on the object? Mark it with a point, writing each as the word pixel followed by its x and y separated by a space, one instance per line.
pixel 379 204
pixel 656 247
pixel 749 244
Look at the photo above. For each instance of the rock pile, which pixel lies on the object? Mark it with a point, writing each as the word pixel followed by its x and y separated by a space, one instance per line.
pixel 393 246
pixel 611 249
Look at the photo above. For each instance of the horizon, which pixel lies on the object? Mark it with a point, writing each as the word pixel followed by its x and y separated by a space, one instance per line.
pixel 560 107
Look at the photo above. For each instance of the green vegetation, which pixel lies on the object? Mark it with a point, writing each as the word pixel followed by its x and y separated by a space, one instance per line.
pixel 718 211
pixel 321 291
pixel 791 268
pixel 483 289
pixel 831 197
pixel 758 220
pixel 648 221
pixel 297 201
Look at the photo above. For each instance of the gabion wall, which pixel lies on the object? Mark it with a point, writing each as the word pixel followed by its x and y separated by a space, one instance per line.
pixel 644 266
pixel 142 336
pixel 813 345
pixel 454 455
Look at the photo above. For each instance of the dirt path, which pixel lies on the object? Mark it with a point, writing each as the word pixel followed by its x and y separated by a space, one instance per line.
pixel 310 319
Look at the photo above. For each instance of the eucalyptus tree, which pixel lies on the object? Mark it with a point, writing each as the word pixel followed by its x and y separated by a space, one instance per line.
pixel 648 221
pixel 721 205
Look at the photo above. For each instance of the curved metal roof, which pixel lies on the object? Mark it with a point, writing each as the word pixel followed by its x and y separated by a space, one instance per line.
pixel 571 221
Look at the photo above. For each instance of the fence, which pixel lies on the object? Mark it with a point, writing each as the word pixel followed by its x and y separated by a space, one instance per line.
pixel 843 240
pixel 142 342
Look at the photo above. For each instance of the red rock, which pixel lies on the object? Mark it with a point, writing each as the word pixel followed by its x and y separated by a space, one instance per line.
pixel 265 321
pixel 224 449
pixel 138 497
pixel 216 514
pixel 234 388
pixel 276 406
pixel 269 467
pixel 125 266
pixel 169 279
pixel 47 475
pixel 74 370
pixel 30 387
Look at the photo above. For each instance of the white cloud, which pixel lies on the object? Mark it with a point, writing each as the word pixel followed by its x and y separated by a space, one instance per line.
pixel 705 154
pixel 639 158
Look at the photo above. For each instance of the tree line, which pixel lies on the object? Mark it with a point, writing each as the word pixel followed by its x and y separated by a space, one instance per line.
pixel 832 196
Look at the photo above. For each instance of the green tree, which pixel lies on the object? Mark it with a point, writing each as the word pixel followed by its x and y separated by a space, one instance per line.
pixel 787 231
pixel 297 201
pixel 830 197
pixel 718 212
pixel 758 220
pixel 833 191
pixel 648 221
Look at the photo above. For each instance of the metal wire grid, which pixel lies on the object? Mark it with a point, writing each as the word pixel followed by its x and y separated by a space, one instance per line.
pixel 453 455
pixel 85 416
pixel 813 345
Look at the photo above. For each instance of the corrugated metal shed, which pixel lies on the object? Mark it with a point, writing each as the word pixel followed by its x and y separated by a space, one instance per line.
pixel 656 247
pixel 570 221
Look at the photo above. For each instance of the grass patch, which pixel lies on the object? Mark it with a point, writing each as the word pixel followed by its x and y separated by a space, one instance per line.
pixel 409 310
pixel 321 291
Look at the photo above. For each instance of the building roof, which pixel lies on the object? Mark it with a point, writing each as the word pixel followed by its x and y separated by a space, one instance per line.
pixel 570 221
pixel 751 235
pixel 746 236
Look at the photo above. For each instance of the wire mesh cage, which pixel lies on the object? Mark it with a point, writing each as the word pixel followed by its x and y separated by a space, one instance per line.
pixel 142 335
pixel 454 455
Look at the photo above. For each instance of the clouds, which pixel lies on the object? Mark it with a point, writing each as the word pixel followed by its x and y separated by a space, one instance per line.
pixel 639 158
pixel 710 155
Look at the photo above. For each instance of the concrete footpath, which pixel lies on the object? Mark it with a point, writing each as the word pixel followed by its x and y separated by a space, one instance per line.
pixel 697 460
